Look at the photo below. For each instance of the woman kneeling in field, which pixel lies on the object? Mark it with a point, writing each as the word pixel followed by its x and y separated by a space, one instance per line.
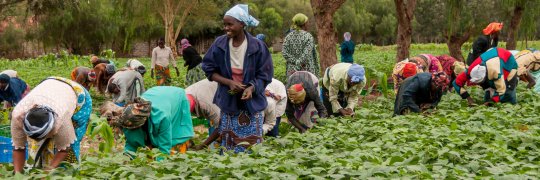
pixel 420 92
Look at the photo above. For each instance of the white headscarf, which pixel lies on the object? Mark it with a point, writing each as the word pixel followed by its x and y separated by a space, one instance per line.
pixel 478 74
pixel 347 36
pixel 241 13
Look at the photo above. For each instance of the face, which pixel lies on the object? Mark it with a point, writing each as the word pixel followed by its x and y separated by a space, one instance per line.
pixel 3 85
pixel 161 44
pixel 232 27
pixel 349 81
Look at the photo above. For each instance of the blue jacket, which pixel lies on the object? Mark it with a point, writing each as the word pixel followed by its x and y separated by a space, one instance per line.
pixel 347 51
pixel 13 94
pixel 258 72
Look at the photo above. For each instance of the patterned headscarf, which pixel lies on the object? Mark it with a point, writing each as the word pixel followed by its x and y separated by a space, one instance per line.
pixel 92 76
pixel 39 121
pixel 298 21
pixel 347 36
pixel 440 80
pixel 241 13
pixel 492 28
pixel 296 93
pixel 135 114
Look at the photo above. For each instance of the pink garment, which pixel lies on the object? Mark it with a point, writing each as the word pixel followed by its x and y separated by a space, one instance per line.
pixel 435 64
pixel 237 75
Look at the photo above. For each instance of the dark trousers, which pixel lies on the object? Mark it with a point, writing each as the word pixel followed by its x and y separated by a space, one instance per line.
pixel 275 132
pixel 326 101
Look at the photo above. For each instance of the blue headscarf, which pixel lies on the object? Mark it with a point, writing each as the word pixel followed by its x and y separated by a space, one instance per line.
pixel 241 13
pixel 357 73
pixel 261 37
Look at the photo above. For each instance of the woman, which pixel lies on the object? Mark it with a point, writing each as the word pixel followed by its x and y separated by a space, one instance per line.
pixel 201 96
pixel 95 61
pixel 193 62
pixel 242 65
pixel 451 67
pixel 125 86
pixel 347 49
pixel 104 72
pixel 53 123
pixel 428 62
pixel 496 72
pixel 420 92
pixel 489 39
pixel 161 58
pixel 403 70
pixel 304 102
pixel 10 73
pixel 528 63
pixel 84 76
pixel 342 84
pixel 276 96
pixel 159 119
pixel 299 48
pixel 12 90
pixel 136 65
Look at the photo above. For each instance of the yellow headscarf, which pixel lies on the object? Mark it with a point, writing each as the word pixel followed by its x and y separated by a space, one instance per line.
pixel 296 94
pixel 298 21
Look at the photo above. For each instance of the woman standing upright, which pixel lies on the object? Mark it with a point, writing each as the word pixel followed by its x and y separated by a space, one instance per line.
pixel 193 62
pixel 299 48
pixel 242 66
pixel 347 49
pixel 161 58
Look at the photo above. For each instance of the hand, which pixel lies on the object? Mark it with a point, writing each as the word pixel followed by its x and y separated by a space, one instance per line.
pixel 425 106
pixel 247 94
pixel 344 112
pixel 323 114
pixel 152 73
pixel 531 85
pixel 199 147
pixel 470 102
pixel 349 111
pixel 236 87
pixel 488 104
pixel 177 72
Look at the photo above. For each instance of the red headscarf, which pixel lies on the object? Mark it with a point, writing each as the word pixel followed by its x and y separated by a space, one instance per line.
pixel 492 27
pixel 409 70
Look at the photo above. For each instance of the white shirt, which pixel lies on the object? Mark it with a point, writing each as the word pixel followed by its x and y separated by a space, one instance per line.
pixel 161 57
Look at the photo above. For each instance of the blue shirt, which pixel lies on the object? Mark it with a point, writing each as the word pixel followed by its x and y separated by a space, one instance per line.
pixel 13 94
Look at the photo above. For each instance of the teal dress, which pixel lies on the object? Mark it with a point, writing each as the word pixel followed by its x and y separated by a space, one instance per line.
pixel 169 123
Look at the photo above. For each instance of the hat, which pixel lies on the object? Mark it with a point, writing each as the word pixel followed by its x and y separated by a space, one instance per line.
pixel 135 114
pixel 92 76
pixel 296 93
pixel 192 102
pixel 492 28
pixel 478 74
pixel 357 73
pixel 409 70
pixel 4 78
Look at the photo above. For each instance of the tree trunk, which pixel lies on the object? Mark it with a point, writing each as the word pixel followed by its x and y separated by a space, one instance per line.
pixel 405 15
pixel 514 28
pixel 454 43
pixel 323 11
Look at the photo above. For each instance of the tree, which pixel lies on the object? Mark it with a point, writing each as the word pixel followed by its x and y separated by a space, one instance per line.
pixel 405 10
pixel 520 7
pixel 324 10
pixel 174 11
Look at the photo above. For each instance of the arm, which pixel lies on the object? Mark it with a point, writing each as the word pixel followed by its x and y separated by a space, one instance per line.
pixel 19 156
pixel 154 59
pixel 164 139
pixel 211 138
pixel 292 119
pixel 352 98
pixel 313 94
pixel 171 57
pixel 459 84
pixel 333 91
pixel 123 93
pixel 269 116
pixel 58 158
pixel 263 73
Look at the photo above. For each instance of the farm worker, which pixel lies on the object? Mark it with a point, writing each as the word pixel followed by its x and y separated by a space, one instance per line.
pixel 95 61
pixel 242 66
pixel 12 90
pixel 53 123
pixel 299 48
pixel 193 62
pixel 261 37
pixel 488 39
pixel 528 61
pixel 276 96
pixel 161 58
pixel 84 76
pixel 341 86
pixel 403 70
pixel 136 65
pixel 496 72
pixel 10 73
pixel 125 86
pixel 428 62
pixel 104 72
pixel 304 102
pixel 160 119
pixel 451 67
pixel 347 48
pixel 420 92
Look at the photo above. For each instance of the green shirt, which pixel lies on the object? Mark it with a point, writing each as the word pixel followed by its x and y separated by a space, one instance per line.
pixel 170 120
pixel 335 80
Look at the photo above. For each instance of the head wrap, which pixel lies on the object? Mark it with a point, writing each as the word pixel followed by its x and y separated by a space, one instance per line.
pixel 261 37
pixel 141 70
pixel 409 70
pixel 296 93
pixel 93 59
pixel 192 102
pixel 92 76
pixel 492 28
pixel 135 114
pixel 478 74
pixel 4 78
pixel 241 13
pixel 110 69
pixel 357 73
pixel 440 80
pixel 347 36
pixel 298 21
pixel 38 122
pixel 185 43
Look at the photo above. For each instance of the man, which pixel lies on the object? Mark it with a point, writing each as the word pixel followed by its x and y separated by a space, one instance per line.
pixel 161 58
pixel 342 84
pixel 496 72
pixel 12 90
pixel 125 86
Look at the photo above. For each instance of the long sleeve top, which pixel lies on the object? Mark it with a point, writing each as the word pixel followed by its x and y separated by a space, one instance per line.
pixel 299 53
pixel 347 51
pixel 203 92
pixel 335 80
pixel 131 85
pixel 14 91
pixel 258 72
pixel 416 91
pixel 527 61
pixel 311 86
pixel 162 57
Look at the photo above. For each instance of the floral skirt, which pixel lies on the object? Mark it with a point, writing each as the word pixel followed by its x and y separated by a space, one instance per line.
pixel 163 76
pixel 194 75
pixel 241 130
